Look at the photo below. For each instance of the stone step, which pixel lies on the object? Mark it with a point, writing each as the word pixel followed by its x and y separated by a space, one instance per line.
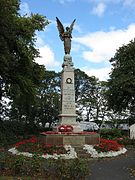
pixel 86 155
pixel 81 153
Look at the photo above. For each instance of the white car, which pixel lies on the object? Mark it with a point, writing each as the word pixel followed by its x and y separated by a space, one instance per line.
pixel 89 126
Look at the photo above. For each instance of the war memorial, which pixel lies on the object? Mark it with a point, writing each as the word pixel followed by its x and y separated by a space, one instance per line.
pixel 68 131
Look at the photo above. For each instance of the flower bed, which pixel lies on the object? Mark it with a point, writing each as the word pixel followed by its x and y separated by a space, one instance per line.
pixel 94 154
pixel 33 146
pixel 106 148
pixel 107 145
pixel 71 154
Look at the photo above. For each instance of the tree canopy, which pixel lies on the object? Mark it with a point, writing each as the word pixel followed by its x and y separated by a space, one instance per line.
pixel 19 73
pixel 121 92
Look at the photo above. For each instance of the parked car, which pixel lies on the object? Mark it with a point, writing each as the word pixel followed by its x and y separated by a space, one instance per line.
pixel 89 126
pixel 106 126
pixel 124 127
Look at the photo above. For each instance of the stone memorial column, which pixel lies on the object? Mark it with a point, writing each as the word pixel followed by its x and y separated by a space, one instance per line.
pixel 68 110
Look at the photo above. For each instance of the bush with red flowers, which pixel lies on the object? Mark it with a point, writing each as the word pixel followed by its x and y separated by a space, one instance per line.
pixel 34 146
pixel 107 145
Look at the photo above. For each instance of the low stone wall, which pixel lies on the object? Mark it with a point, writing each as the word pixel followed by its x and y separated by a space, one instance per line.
pixel 70 139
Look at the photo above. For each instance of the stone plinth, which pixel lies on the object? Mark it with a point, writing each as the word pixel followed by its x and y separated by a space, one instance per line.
pixel 68 115
pixel 75 139
pixel 68 109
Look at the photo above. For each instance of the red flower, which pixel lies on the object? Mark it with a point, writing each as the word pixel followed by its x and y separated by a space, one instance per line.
pixel 65 128
pixel 107 145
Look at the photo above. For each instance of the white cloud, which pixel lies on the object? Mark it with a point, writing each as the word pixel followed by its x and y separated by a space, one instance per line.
pixel 24 9
pixel 128 2
pixel 39 42
pixel 77 28
pixel 101 73
pixel 47 57
pixel 76 47
pixel 65 1
pixel 101 5
pixel 108 1
pixel 99 9
pixel 102 45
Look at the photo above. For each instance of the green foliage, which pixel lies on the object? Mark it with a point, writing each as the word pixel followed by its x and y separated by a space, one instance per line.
pixel 19 74
pixel 67 169
pixel 107 145
pixel 46 105
pixel 126 141
pixel 34 145
pixel 47 169
pixel 7 136
pixel 13 131
pixel 110 133
pixel 21 165
pixel 48 98
pixel 90 95
pixel 122 79
pixel 3 160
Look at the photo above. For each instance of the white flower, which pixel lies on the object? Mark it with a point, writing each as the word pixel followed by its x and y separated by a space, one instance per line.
pixel 91 150
pixel 70 155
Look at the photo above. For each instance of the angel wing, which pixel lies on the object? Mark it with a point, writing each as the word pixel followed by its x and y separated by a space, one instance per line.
pixel 60 28
pixel 72 24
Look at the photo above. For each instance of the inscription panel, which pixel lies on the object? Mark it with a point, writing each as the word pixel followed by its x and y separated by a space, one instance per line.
pixel 68 90
pixel 74 140
pixel 68 108
pixel 68 98
pixel 68 101
pixel 69 105
pixel 68 94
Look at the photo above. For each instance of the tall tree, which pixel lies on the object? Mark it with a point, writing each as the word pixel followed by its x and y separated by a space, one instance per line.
pixel 19 74
pixel 46 106
pixel 49 98
pixel 85 88
pixel 121 85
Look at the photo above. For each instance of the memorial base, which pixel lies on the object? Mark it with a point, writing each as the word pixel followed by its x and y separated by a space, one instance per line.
pixel 74 139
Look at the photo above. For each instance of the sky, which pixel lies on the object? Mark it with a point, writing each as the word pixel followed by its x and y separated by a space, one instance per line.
pixel 101 27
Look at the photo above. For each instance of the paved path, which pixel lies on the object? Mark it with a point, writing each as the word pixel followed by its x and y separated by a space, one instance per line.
pixel 117 168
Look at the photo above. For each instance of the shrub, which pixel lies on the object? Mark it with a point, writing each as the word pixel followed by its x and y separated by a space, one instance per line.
pixel 107 145
pixel 32 145
pixel 11 131
pixel 19 165
pixel 3 157
pixel 126 141
pixel 110 133
pixel 7 138
pixel 66 169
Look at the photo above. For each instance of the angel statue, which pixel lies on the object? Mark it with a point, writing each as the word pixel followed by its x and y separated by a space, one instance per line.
pixel 65 35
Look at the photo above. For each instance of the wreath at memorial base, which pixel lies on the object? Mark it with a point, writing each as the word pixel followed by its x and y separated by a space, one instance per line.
pixel 65 128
